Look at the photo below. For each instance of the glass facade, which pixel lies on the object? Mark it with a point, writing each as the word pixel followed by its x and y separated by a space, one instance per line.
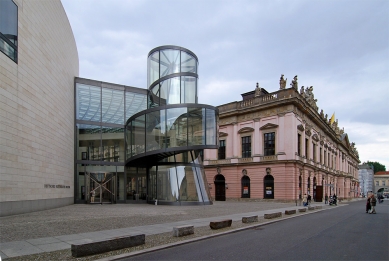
pixel 135 145
pixel 9 29
pixel 172 76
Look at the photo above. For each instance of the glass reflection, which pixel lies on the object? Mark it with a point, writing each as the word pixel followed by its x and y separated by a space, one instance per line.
pixel 188 89
pixel 176 126
pixel 155 130
pixel 88 102
pixel 112 106
pixel 113 144
pixel 135 102
pixel 188 63
pixel 153 65
pixel 138 135
pixel 169 62
pixel 170 91
pixel 89 142
pixel 196 126
pixel 211 127
pixel 167 187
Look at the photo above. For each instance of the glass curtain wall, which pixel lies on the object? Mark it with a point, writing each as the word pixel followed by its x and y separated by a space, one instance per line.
pixel 100 112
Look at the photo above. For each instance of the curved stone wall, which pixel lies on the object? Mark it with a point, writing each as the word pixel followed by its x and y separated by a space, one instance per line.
pixel 37 111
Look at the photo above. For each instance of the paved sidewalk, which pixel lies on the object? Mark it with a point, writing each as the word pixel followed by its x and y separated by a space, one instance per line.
pixel 61 242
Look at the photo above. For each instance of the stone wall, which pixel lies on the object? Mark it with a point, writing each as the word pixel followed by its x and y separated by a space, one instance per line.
pixel 37 110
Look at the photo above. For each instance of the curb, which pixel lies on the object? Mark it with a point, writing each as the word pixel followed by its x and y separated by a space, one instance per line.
pixel 183 242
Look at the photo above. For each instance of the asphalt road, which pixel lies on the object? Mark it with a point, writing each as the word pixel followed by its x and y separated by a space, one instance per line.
pixel 341 233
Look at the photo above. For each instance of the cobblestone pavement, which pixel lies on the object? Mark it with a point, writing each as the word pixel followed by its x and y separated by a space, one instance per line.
pixel 83 218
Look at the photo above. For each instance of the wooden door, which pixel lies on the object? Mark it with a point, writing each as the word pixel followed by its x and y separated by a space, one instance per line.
pixel 220 191
pixel 319 194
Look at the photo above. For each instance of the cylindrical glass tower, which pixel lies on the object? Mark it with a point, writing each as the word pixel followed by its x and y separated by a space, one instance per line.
pixel 168 138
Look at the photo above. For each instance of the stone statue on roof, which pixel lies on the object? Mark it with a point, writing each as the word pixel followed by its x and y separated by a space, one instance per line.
pixel 257 91
pixel 294 83
pixel 310 97
pixel 302 91
pixel 282 82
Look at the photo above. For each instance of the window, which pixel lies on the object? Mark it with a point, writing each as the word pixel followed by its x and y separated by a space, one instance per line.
pixel 321 155
pixel 325 158
pixel 377 183
pixel 222 149
pixel 9 29
pixel 269 143
pixel 246 147
pixel 314 151
pixel 383 183
pixel 306 147
pixel 299 144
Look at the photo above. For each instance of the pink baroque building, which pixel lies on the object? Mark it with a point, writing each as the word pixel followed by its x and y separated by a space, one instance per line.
pixel 279 146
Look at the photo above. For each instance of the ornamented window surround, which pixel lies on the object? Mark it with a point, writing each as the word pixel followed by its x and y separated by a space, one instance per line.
pixel 268 128
pixel 242 135
pixel 245 132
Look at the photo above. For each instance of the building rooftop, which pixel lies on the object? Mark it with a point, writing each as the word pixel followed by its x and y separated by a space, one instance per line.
pixel 382 173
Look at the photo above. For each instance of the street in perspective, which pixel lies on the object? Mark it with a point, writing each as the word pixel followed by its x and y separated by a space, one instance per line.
pixel 342 233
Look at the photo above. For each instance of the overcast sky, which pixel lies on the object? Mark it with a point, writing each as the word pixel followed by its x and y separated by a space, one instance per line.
pixel 340 47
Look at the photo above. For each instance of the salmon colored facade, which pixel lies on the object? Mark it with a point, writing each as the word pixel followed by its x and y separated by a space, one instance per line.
pixel 279 146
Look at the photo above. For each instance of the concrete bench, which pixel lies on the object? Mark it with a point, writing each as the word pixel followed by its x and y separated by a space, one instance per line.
pixel 106 245
pixel 311 208
pixel 318 207
pixel 183 231
pixel 302 210
pixel 250 219
pixel 220 224
pixel 273 215
pixel 290 212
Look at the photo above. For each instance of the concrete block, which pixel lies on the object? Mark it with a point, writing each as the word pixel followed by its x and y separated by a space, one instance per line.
pixel 318 207
pixel 311 208
pixel 220 224
pixel 273 215
pixel 250 219
pixel 302 210
pixel 290 212
pixel 106 245
pixel 183 231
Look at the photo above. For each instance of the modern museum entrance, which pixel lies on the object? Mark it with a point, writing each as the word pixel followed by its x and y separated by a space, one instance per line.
pixel 175 180
pixel 101 187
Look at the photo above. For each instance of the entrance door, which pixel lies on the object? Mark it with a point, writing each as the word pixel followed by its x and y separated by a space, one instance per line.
pixel 268 183
pixel 319 194
pixel 102 187
pixel 245 187
pixel 220 188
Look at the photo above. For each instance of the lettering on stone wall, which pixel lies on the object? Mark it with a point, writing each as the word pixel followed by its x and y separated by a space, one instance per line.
pixel 56 186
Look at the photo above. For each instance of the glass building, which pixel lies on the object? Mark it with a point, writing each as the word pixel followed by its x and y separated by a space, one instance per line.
pixel 135 145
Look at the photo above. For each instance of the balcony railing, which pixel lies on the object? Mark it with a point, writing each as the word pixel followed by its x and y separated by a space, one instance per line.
pixel 217 162
pixel 263 99
pixel 269 158
pixel 244 160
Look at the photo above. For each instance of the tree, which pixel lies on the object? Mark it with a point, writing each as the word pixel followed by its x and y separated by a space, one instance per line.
pixel 377 166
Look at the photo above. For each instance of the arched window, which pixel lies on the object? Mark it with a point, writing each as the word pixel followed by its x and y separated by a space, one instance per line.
pixel 245 187
pixel 220 188
pixel 300 188
pixel 268 183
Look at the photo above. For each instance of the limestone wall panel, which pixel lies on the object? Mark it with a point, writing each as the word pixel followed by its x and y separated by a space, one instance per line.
pixel 37 106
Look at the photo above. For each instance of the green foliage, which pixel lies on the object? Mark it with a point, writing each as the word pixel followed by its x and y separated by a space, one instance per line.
pixel 377 166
